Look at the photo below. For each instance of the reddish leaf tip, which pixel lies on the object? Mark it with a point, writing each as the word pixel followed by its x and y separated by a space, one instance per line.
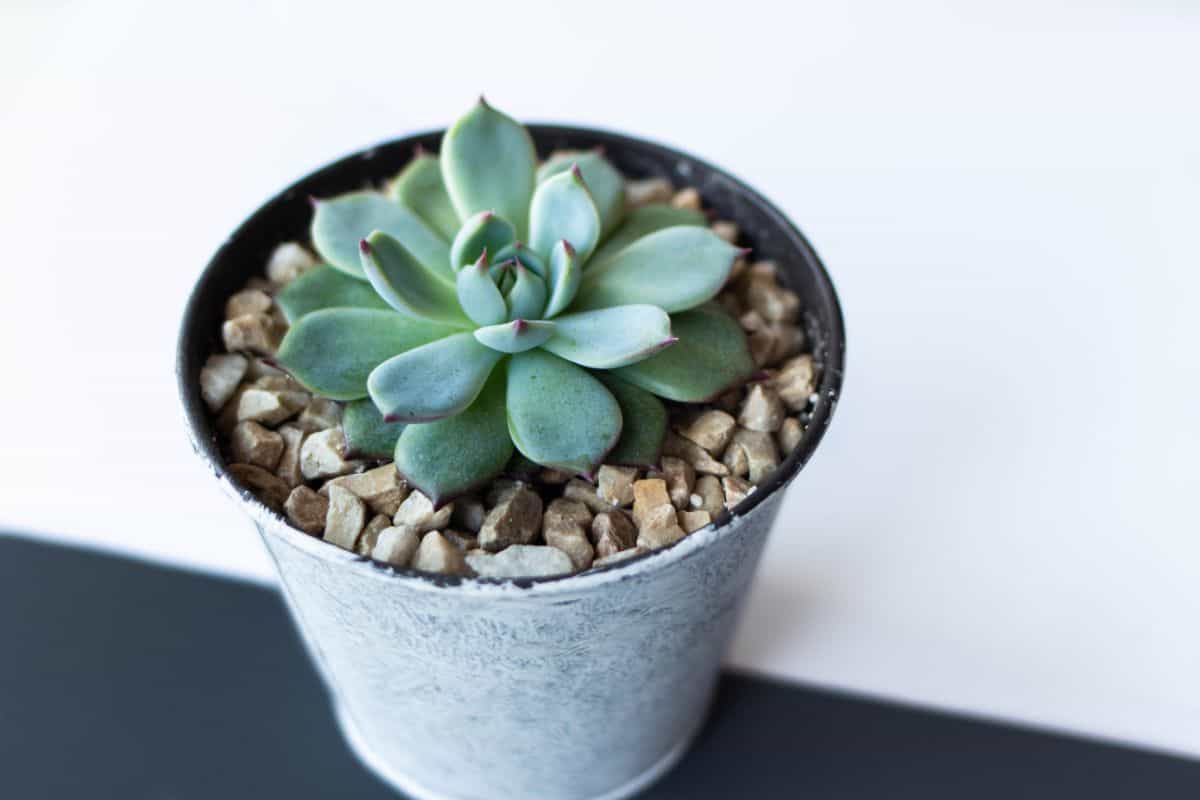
pixel 568 247
pixel 364 247
pixel 742 252
pixel 519 325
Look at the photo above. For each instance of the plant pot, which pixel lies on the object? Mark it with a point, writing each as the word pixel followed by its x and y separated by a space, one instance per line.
pixel 565 688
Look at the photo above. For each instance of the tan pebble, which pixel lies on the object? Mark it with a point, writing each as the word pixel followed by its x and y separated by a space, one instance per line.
pixel 614 485
pixel 712 496
pixel 515 520
pixel 649 494
pixel 619 556
pixel 269 406
pixel 736 490
pixel 289 463
pixel 247 301
pixel 692 521
pixel 251 443
pixel 659 528
pixel 417 512
pixel 253 333
pixel 382 488
pixel 258 368
pixel 345 518
pixel 751 321
pixel 584 492
pixel 306 510
pixel 287 262
pixel 270 489
pixel 789 435
pixel 711 429
pixel 763 343
pixel 462 541
pixel 322 455
pixel 680 478
pixel 796 382
pixel 574 542
pixel 396 545
pixel 762 456
pixel 370 534
pixel 320 414
pixel 762 410
pixel 219 378
pixel 573 511
pixel 436 554
pixel 772 301
pixel 694 454
pixel 502 488
pixel 688 198
pixel 612 532
pixel 736 460
pixel 278 383
pixel 726 229
pixel 650 190
pixel 554 477
pixel 468 513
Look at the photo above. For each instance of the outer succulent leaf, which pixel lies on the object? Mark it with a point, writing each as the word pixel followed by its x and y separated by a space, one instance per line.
pixel 675 269
pixel 527 297
pixel 710 357
pixel 558 414
pixel 325 287
pixel 405 283
pixel 566 273
pixel 483 232
pixel 516 336
pixel 489 163
pixel 367 435
pixel 645 426
pixel 419 186
pixel 341 223
pixel 436 380
pixel 611 337
pixel 638 223
pixel 520 252
pixel 333 350
pixel 562 208
pixel 452 456
pixel 606 184
pixel 479 296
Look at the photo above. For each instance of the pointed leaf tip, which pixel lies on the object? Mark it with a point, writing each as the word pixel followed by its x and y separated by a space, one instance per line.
pixel 519 325
pixel 364 247
pixel 568 247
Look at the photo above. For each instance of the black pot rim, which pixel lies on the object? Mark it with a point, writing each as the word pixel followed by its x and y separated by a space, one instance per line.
pixel 830 360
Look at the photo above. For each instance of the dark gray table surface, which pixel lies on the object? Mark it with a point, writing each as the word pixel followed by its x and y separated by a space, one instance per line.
pixel 121 679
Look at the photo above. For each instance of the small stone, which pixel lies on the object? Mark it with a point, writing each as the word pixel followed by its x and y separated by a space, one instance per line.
pixel 436 554
pixel 618 557
pixel 574 543
pixel 468 513
pixel 762 410
pixel 287 262
pixel 789 435
pixel 796 382
pixel 247 301
pixel 258 368
pixel 692 521
pixel 462 541
pixel 554 477
pixel 565 525
pixel 396 546
pixel 751 321
pixel 694 454
pixel 500 489
pixel 515 520
pixel 761 454
pixel 321 455
pixel 680 478
pixel 521 561
pixel 612 532
pixel 712 496
pixel 345 518
pixel 726 229
pixel 320 414
pixel 772 301
pixel 306 510
pixel 417 512
pixel 584 492
pixel 382 488
pixel 711 429
pixel 253 333
pixel 370 535
pixel 572 511
pixel 251 443
pixel 289 463
pixel 736 460
pixel 650 190
pixel 736 490
pixel 614 485
pixel 763 343
pixel 269 488
pixel 269 406
pixel 219 378
pixel 688 198
pixel 649 494
pixel 659 527
pixel 278 383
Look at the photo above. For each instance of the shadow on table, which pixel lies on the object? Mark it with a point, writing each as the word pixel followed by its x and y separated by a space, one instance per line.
pixel 121 679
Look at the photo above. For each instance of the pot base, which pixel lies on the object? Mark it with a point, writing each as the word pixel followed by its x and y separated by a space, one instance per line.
pixel 416 791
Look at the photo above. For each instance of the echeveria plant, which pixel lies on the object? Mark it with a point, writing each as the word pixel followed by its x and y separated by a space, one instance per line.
pixel 486 302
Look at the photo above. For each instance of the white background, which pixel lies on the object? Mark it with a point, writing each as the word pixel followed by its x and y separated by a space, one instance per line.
pixel 1003 516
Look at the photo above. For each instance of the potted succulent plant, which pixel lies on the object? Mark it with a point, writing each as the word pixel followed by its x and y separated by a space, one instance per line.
pixel 514 438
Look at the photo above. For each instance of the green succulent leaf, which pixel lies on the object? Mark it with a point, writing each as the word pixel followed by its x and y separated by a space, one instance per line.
pixel 333 350
pixel 566 273
pixel 405 283
pixel 489 163
pixel 675 269
pixel 527 297
pixel 558 414
pixel 603 180
pixel 611 337
pixel 367 434
pixel 453 456
pixel 562 208
pixel 341 223
pixel 645 426
pixel 710 357
pixel 519 252
pixel 419 186
pixel 325 287
pixel 433 381
pixel 484 232
pixel 479 296
pixel 638 223
pixel 516 336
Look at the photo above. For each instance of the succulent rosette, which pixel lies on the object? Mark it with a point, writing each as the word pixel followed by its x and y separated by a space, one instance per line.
pixel 486 303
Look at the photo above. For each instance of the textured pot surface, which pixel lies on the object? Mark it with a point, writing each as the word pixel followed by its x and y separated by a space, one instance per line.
pixel 557 688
